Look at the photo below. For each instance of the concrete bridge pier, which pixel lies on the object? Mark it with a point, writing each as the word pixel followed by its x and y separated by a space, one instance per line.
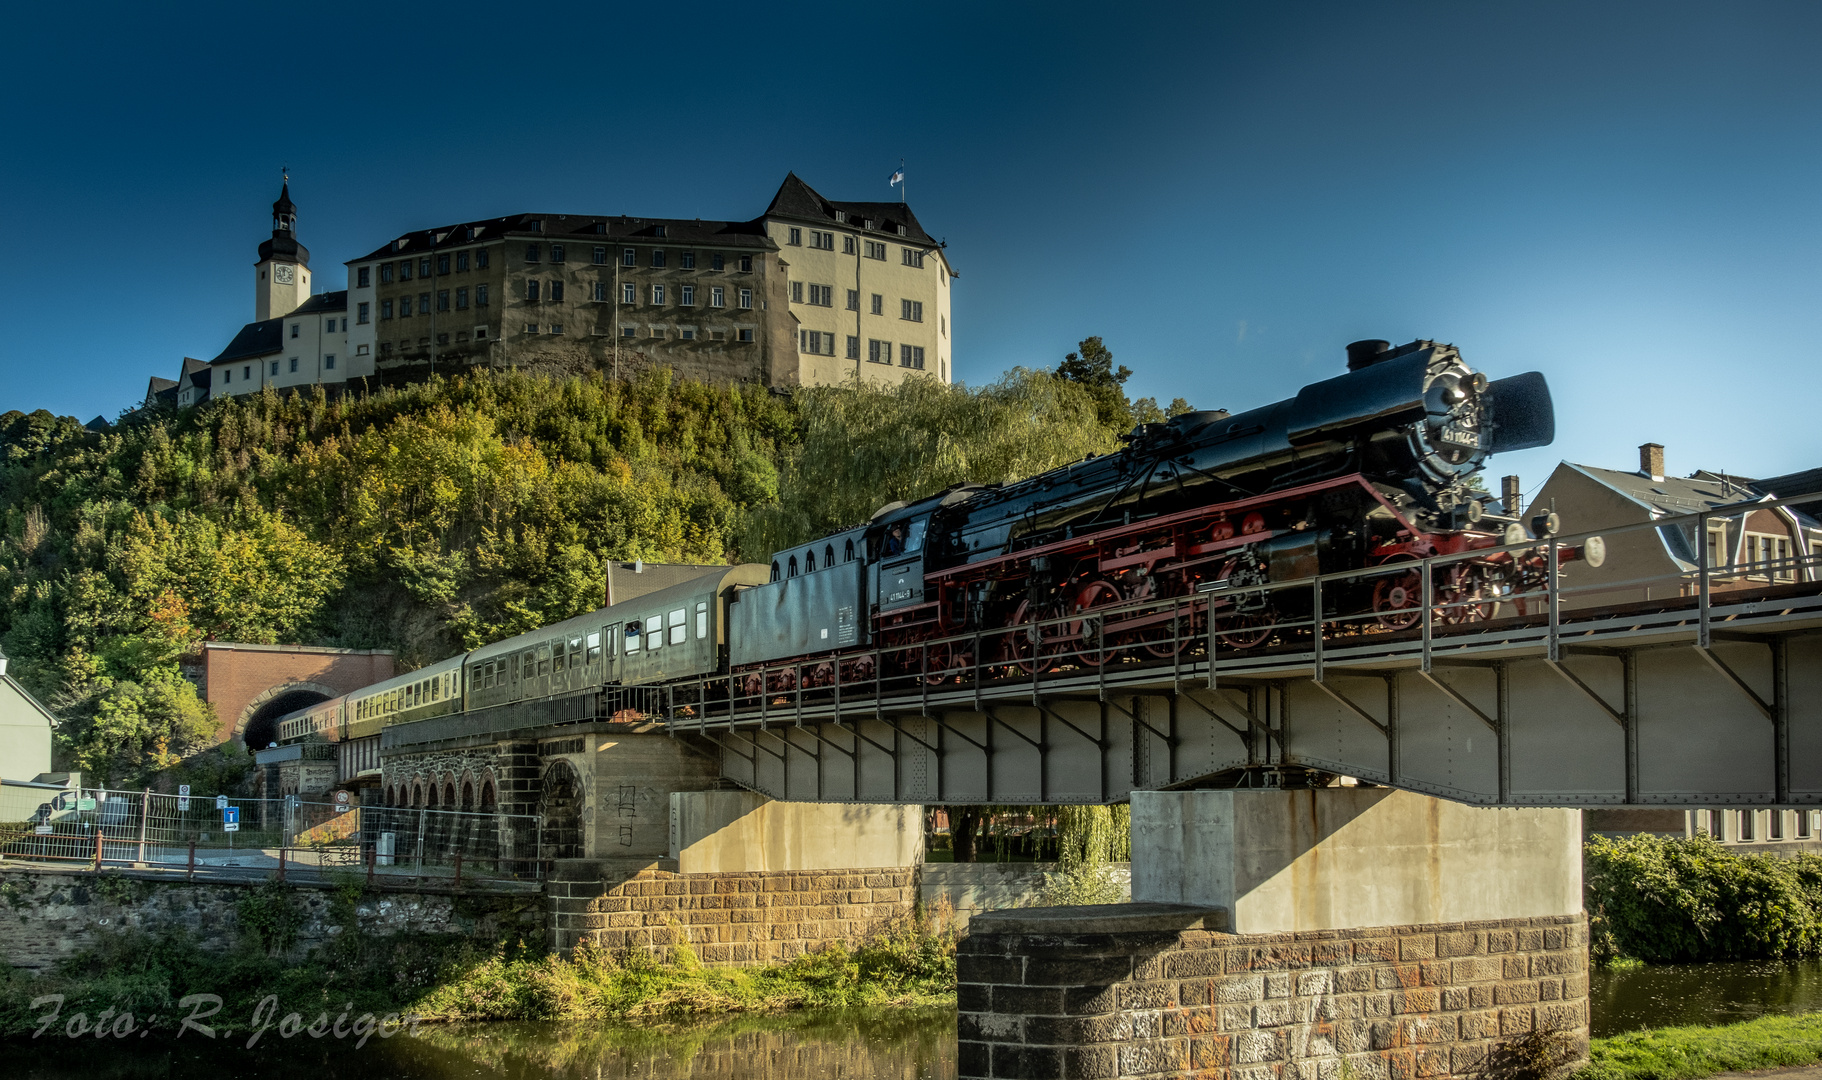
pixel 1276 934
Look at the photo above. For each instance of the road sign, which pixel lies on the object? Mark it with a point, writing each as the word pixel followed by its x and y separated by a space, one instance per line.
pixel 43 830
pixel 341 802
pixel 85 804
pixel 221 802
pixel 230 818
pixel 183 789
pixel 183 797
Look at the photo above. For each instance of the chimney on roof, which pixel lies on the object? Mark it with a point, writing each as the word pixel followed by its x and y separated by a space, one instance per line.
pixel 1651 460
pixel 1511 496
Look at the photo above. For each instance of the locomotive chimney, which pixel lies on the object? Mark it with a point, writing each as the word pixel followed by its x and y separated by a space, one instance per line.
pixel 1651 460
pixel 1511 496
pixel 1366 353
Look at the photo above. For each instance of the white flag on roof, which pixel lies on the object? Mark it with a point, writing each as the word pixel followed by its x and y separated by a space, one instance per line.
pixel 898 177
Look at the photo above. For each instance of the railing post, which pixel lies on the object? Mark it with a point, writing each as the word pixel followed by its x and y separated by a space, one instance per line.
pixel 373 858
pixel 98 840
pixel 1554 582
pixel 281 862
pixel 1702 572
pixel 190 873
pixel 1316 626
pixel 458 870
pixel 145 813
pixel 1426 589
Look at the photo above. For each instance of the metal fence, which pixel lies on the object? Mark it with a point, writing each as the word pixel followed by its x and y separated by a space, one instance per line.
pixel 228 834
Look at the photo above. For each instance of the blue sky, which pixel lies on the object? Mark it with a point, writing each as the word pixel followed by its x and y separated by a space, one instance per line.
pixel 1622 195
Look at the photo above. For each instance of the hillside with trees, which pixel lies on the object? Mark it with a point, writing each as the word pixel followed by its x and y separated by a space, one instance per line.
pixel 435 517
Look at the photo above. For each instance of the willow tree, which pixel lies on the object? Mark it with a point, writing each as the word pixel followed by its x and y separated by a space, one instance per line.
pixel 863 447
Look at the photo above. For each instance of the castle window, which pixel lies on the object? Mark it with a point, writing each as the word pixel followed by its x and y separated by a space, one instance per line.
pixel 480 333
pixel 531 327
pixel 657 257
pixel 627 257
pixel 657 331
pixel 629 331
pixel 911 356
pixel 424 266
pixel 746 264
pixel 423 303
pixel 796 292
pixel 480 296
pixel 294 365
pixel 442 264
pixel 853 299
pixel 879 352
pixel 657 294
pixel 329 362
pixel 629 293
pixel 442 299
pixel 531 290
pixel 329 327
pixel 794 237
pixel 363 277
pixel 294 328
pixel 227 375
pixel 275 367
pixel 853 347
pixel 480 259
pixel 461 299
pixel 715 261
pixel 461 260
pixel 746 298
pixel 746 335
pixel 531 253
pixel 879 304
pixel 876 250
pixel 658 231
pixel 822 295
pixel 717 296
pixel 913 257
pixel 600 256
pixel 385 273
pixel 824 241
pixel 556 290
pixel 405 270
pixel 911 310
pixel 686 294
pixel 686 260
pixel 556 253
pixel 687 334
pixel 847 245
pixel 556 328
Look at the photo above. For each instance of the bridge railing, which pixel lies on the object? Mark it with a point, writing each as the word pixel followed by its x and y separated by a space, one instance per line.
pixel 1412 606
pixel 289 835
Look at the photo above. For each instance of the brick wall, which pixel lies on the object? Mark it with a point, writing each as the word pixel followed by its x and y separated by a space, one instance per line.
pixel 728 918
pixel 1089 999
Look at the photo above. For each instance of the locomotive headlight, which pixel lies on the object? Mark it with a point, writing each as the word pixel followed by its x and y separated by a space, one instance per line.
pixel 1475 383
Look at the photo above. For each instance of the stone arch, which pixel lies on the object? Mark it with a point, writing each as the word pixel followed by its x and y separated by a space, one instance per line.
pixel 257 724
pixel 560 804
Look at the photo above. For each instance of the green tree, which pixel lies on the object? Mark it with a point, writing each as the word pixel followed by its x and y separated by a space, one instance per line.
pixel 1093 370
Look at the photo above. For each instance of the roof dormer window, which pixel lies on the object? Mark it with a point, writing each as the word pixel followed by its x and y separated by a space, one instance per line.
pixel 658 231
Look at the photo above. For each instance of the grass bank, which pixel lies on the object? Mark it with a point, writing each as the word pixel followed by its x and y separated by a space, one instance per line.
pixel 1689 1053
pixel 912 962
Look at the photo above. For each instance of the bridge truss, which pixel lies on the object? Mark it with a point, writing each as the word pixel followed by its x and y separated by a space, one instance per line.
pixel 1710 696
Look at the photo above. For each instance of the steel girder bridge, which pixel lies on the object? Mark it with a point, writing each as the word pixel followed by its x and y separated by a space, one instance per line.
pixel 1572 695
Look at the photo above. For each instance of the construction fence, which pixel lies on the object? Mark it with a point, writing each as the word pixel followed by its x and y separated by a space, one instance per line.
pixel 229 834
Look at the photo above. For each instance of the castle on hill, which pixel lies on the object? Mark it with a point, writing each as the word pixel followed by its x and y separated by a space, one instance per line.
pixel 721 301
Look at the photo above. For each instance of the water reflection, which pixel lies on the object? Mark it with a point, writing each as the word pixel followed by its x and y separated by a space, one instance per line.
pixel 1677 994
pixel 863 1044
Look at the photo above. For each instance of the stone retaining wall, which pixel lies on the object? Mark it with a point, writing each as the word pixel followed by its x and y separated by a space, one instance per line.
pixel 734 918
pixel 1146 990
pixel 48 915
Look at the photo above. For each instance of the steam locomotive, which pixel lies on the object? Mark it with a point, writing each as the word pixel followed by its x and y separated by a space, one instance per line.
pixel 1128 556
pixel 1362 470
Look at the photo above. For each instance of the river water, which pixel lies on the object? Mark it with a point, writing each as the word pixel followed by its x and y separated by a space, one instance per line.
pixel 858 1044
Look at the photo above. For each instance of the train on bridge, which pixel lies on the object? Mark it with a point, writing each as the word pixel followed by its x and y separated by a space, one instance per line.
pixel 1169 546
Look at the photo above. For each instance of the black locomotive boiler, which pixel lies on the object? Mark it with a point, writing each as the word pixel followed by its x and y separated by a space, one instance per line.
pixel 1363 470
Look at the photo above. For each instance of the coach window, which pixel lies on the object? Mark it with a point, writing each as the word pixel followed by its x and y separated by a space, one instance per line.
pixel 632 636
pixel 654 631
pixel 544 659
pixel 556 655
pixel 594 648
pixel 528 664
pixel 702 620
pixel 680 627
pixel 575 651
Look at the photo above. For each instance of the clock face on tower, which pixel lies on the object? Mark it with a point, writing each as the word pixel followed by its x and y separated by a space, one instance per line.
pixel 282 272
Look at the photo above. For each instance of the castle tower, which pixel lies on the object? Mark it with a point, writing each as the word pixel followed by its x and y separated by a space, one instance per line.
pixel 282 281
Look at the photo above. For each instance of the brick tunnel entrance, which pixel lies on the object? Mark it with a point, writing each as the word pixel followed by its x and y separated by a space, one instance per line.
pixel 261 727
